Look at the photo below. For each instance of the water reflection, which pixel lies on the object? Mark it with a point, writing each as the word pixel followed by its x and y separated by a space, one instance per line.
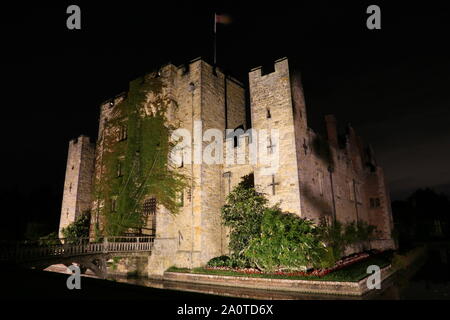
pixel 429 280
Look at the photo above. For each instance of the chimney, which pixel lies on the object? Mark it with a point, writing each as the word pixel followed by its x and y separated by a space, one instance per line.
pixel 360 145
pixel 330 122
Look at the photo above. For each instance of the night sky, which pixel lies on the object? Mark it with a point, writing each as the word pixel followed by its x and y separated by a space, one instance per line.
pixel 391 84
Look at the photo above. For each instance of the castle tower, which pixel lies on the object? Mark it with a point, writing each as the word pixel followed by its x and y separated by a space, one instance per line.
pixel 204 98
pixel 221 106
pixel 277 106
pixel 78 181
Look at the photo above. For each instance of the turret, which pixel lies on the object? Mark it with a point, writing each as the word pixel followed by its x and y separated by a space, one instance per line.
pixel 78 181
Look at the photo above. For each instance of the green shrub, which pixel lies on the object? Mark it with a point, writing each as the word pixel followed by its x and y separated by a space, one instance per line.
pixel 286 242
pixel 243 213
pixel 338 236
pixel 270 239
pixel 77 229
pixel 222 261
pixel 403 261
pixel 50 239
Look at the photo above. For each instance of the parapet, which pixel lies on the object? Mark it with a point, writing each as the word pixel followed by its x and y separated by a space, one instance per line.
pixel 82 139
pixel 185 69
pixel 280 65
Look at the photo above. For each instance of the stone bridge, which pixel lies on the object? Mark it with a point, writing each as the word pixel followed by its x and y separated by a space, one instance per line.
pixel 88 253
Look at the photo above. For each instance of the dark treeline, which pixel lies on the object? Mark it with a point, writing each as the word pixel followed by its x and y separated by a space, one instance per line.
pixel 424 216
pixel 29 215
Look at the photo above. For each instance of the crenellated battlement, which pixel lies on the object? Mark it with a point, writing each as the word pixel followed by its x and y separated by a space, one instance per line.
pixel 80 140
pixel 279 66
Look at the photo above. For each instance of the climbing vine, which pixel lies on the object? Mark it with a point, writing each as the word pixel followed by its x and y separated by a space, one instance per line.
pixel 135 161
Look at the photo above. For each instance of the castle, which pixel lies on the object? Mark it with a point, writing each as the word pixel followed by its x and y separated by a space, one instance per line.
pixel 333 178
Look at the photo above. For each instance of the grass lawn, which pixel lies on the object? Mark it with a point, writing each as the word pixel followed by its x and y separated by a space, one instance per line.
pixel 352 273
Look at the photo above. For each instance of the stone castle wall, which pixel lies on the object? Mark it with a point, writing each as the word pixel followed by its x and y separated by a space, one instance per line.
pixel 196 231
pixel 272 93
pixel 78 181
pixel 308 183
pixel 325 179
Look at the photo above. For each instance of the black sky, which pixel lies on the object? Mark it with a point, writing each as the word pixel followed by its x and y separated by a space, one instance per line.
pixel 390 84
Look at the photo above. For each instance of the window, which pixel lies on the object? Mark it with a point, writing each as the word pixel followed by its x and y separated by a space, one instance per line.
pixel 150 206
pixel 320 178
pixel 268 115
pixel 113 204
pixel 375 202
pixel 181 199
pixel 123 133
pixel 119 168
pixel 189 194
pixel 182 159
pixel 351 191
pixel 305 146
pixel 237 135
pixel 149 209
pixel 338 191
pixel 358 192
pixel 437 227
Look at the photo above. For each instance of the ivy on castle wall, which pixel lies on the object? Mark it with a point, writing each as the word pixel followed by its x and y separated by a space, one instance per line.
pixel 135 159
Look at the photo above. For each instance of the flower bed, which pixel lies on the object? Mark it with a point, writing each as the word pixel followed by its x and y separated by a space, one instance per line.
pixel 345 262
pixel 349 269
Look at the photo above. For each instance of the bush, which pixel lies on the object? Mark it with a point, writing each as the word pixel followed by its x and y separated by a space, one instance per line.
pixel 77 229
pixel 50 239
pixel 286 242
pixel 338 236
pixel 243 214
pixel 270 239
pixel 222 261
pixel 403 261
pixel 35 230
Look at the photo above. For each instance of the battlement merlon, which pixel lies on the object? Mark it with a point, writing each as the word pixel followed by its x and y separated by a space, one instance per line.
pixel 280 65
pixel 81 139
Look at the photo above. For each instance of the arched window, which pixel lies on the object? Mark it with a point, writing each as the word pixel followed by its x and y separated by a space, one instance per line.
pixel 236 137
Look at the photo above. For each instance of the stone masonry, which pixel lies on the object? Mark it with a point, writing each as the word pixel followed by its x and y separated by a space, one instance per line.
pixel 78 181
pixel 332 177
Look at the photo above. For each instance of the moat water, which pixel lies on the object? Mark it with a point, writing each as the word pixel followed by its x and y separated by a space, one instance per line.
pixel 430 280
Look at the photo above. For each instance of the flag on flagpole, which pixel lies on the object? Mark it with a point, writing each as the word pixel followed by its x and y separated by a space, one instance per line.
pixel 221 18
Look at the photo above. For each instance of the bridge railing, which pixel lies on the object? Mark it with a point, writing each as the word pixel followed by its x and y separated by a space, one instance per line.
pixel 32 250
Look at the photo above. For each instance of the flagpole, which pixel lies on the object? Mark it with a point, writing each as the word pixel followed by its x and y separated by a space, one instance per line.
pixel 215 36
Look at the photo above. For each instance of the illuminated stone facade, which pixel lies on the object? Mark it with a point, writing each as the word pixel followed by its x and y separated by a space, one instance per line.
pixel 332 177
